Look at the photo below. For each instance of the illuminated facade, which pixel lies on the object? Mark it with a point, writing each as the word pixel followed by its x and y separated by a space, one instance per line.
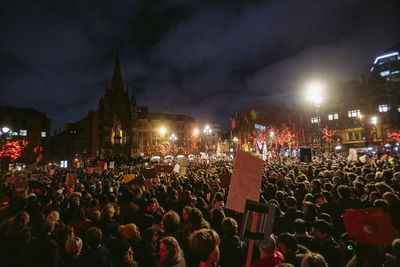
pixel 120 127
pixel 387 65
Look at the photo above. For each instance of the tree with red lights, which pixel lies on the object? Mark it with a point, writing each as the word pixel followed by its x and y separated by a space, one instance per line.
pixel 11 151
pixel 285 136
pixel 394 136
pixel 327 135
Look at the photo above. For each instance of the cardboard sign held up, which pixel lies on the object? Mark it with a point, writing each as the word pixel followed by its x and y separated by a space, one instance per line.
pixel 262 223
pixel 245 181
pixel 225 180
pixel 111 165
pixel 352 154
pixel 149 173
pixel 369 226
pixel 164 168
pixel 176 168
pixel 128 178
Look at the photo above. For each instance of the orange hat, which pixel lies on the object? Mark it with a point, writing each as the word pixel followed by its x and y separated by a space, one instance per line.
pixel 128 231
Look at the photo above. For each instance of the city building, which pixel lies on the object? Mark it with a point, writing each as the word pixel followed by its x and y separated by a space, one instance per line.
pixel 387 65
pixel 121 127
pixel 26 128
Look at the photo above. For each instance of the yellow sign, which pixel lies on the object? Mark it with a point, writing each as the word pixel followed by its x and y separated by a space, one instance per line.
pixel 128 178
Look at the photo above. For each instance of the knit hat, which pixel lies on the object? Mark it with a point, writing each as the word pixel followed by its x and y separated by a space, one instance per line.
pixel 53 216
pixel 73 245
pixel 128 231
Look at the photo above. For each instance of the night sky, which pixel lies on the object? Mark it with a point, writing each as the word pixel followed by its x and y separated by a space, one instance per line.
pixel 195 57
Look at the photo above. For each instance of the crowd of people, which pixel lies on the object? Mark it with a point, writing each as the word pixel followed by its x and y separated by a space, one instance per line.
pixel 180 219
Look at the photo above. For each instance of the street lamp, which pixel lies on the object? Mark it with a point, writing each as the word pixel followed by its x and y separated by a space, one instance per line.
pixel 207 131
pixel 314 95
pixel 173 137
pixel 196 132
pixel 5 130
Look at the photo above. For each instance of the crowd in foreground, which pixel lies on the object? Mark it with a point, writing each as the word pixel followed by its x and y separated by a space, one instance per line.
pixel 180 219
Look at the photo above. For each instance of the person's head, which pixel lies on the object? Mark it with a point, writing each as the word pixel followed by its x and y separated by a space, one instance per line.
pixel 267 247
pixel 73 246
pixel 309 207
pixel 320 199
pixel 107 212
pixel 196 216
pixel 169 249
pixel 53 216
pixel 299 226
pixel 344 191
pixel 94 237
pixel 151 205
pixel 129 231
pixel 381 204
pixel 218 199
pixel 229 226
pixel 321 229
pixel 313 260
pixel 185 212
pixel 391 198
pixel 291 202
pixel 287 243
pixel 171 222
pixel 204 245
pixel 47 227
pixel 20 220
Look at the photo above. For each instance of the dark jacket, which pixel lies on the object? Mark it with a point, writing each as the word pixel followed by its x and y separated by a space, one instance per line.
pixel 233 252
pixel 99 257
pixel 42 251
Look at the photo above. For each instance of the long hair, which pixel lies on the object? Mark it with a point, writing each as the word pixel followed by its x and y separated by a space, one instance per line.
pixel 174 250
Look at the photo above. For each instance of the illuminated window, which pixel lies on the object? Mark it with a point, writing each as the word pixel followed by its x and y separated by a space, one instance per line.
pixel 333 116
pixel 315 119
pixel 383 108
pixel 398 109
pixel 23 132
pixel 43 134
pixel 354 113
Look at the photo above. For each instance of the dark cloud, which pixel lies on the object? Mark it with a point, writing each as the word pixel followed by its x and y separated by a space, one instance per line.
pixel 202 58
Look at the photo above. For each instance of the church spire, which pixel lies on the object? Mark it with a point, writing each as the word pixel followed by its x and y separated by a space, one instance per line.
pixel 117 83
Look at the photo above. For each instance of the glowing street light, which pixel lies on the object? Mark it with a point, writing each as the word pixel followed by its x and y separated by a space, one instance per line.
pixel 272 134
pixel 235 139
pixel 162 130
pixel 374 120
pixel 314 93
pixel 173 137
pixel 196 132
pixel 5 129
pixel 207 130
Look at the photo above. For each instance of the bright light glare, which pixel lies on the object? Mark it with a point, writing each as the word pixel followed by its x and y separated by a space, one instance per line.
pixel 173 137
pixel 162 130
pixel 196 131
pixel 374 120
pixel 5 129
pixel 235 139
pixel 272 134
pixel 338 147
pixel 314 93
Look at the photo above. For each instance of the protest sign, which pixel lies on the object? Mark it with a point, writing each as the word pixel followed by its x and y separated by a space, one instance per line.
pixel 164 168
pixel 128 178
pixel 111 165
pixel 176 168
pixel 369 226
pixel 352 154
pixel 258 220
pixel 149 173
pixel 245 181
